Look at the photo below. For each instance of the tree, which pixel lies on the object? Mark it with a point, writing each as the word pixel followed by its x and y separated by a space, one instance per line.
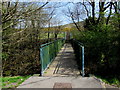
pixel 20 46
pixel 57 28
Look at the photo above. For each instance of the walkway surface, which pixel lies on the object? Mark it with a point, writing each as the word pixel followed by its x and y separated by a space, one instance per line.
pixel 48 82
pixel 62 70
pixel 64 64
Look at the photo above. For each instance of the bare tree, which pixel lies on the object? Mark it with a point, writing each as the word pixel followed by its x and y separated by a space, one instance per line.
pixel 18 42
pixel 77 14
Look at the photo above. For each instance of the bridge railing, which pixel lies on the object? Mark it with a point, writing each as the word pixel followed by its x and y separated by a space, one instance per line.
pixel 48 52
pixel 79 53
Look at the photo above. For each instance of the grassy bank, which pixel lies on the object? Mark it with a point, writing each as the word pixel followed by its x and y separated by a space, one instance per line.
pixel 110 80
pixel 12 82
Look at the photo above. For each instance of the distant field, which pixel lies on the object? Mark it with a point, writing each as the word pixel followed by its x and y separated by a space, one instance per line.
pixel 45 35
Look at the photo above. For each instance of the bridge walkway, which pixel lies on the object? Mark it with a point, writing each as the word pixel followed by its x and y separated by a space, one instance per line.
pixel 62 73
pixel 64 64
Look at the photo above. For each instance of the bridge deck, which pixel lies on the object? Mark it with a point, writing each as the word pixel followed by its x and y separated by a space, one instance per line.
pixel 64 68
pixel 64 64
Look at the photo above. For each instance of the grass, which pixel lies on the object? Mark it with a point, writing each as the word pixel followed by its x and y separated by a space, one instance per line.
pixel 110 80
pixel 12 82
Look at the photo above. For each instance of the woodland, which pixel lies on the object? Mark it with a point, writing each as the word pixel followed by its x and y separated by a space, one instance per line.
pixel 27 25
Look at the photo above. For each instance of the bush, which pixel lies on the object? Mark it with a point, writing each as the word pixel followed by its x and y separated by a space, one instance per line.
pixel 101 50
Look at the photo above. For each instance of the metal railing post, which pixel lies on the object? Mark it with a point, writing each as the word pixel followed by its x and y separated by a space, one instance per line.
pixel 83 73
pixel 82 47
pixel 41 62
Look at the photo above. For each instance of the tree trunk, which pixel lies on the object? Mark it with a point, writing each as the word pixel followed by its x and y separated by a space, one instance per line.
pixel 108 18
pixel 93 12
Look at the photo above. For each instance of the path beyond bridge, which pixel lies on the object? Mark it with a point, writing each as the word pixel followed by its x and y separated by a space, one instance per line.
pixel 62 71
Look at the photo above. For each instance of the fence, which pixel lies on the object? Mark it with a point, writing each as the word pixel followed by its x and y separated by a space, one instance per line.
pixel 48 52
pixel 79 53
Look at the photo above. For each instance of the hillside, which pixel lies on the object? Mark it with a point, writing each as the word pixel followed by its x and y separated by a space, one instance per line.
pixel 72 25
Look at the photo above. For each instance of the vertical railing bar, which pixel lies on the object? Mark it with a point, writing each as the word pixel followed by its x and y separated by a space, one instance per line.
pixel 41 61
pixel 83 73
pixel 81 45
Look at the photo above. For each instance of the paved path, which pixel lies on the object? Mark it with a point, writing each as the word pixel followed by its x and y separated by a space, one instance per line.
pixel 62 70
pixel 48 82
pixel 64 64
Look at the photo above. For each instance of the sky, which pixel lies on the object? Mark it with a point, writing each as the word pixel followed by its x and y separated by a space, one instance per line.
pixel 57 0
pixel 59 11
pixel 61 15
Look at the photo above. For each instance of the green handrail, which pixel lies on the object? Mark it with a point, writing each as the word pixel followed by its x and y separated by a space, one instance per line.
pixel 48 52
pixel 79 51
